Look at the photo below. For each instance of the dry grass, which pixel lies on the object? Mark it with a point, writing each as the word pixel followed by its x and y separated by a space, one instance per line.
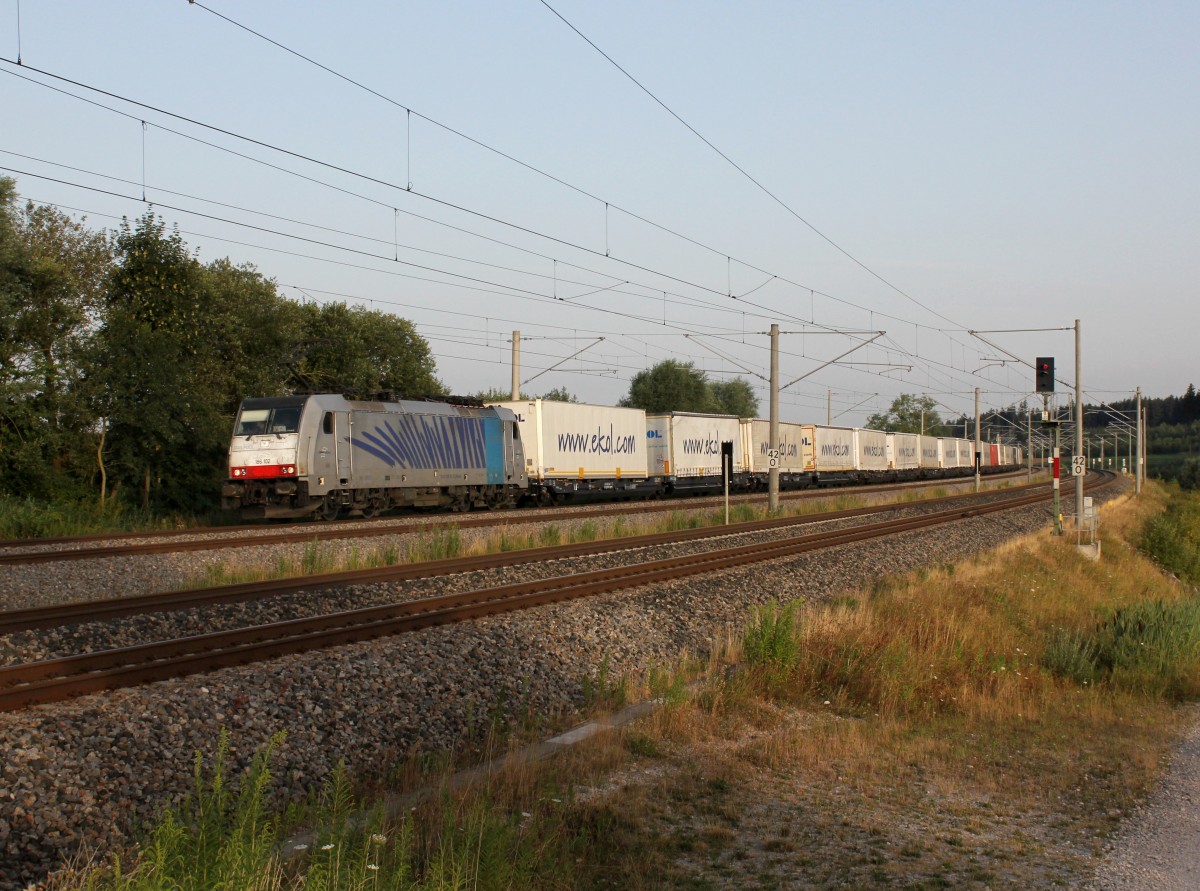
pixel 917 741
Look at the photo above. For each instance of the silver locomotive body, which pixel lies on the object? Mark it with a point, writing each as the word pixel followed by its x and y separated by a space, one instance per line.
pixel 325 455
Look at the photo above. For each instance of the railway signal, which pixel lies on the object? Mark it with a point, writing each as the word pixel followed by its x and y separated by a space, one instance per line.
pixel 1045 374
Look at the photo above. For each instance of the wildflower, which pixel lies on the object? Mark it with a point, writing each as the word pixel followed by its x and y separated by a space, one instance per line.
pixel 526 814
pixel 378 838
pixel 300 847
pixel 327 847
pixel 373 866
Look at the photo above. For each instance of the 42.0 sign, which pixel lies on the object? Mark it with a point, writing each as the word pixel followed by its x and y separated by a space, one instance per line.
pixel 1078 465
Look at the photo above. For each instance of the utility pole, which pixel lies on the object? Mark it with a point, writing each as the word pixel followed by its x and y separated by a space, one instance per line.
pixel 977 453
pixel 773 472
pixel 1078 432
pixel 1138 484
pixel 1029 444
pixel 516 366
pixel 829 408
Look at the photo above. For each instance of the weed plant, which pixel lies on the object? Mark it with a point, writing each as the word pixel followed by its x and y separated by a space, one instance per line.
pixel 224 837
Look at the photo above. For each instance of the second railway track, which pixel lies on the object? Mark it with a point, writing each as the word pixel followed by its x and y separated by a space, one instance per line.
pixel 93 547
pixel 52 680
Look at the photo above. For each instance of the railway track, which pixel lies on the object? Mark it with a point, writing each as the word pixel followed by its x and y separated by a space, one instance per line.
pixel 12 621
pixel 52 680
pixel 32 551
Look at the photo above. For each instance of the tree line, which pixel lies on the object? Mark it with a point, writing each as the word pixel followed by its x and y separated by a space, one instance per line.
pixel 123 358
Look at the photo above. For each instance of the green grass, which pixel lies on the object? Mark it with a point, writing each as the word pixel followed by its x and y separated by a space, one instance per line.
pixel 224 837
pixel 27 518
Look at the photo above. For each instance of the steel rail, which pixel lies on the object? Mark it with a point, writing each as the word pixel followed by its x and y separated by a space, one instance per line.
pixel 17 551
pixel 52 680
pixel 12 621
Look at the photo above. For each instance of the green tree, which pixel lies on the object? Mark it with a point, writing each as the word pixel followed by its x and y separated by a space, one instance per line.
pixel 735 397
pixel 1189 474
pixel 670 386
pixel 909 414
pixel 497 395
pixel 254 334
pixel 559 394
pixel 356 350
pixel 52 272
pixel 154 372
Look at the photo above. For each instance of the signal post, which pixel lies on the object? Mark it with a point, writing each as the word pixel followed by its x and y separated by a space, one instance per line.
pixel 1044 382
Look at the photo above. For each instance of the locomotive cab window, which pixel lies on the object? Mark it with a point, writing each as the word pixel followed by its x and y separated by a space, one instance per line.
pixel 285 420
pixel 257 421
pixel 253 421
pixel 327 422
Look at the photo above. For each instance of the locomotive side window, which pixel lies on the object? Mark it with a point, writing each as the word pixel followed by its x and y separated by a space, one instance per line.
pixel 327 422
pixel 252 422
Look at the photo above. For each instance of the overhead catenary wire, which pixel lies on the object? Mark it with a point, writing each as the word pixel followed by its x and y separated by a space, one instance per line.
pixel 743 171
pixel 409 111
pixel 367 177
pixel 336 167
pixel 627 315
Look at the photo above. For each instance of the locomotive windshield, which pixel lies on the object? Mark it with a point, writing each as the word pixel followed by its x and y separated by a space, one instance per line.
pixel 256 421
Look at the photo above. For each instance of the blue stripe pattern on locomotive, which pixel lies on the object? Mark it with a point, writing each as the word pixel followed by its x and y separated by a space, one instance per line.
pixel 493 437
pixel 432 441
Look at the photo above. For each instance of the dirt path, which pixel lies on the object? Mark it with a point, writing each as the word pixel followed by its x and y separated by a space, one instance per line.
pixel 1160 848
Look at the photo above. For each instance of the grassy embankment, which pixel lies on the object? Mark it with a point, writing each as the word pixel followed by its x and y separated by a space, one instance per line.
pixel 980 725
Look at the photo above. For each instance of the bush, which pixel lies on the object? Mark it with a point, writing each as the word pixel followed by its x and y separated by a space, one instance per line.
pixel 1153 646
pixel 1071 655
pixel 770 641
pixel 1172 538
pixel 1189 474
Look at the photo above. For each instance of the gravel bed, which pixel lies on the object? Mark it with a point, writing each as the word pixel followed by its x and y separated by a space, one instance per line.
pixel 67 640
pixel 46 584
pixel 88 773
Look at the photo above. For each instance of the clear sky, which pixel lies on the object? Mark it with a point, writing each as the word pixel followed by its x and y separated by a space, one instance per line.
pixel 926 170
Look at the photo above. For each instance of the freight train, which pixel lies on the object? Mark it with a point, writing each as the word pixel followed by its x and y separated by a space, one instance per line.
pixel 326 455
